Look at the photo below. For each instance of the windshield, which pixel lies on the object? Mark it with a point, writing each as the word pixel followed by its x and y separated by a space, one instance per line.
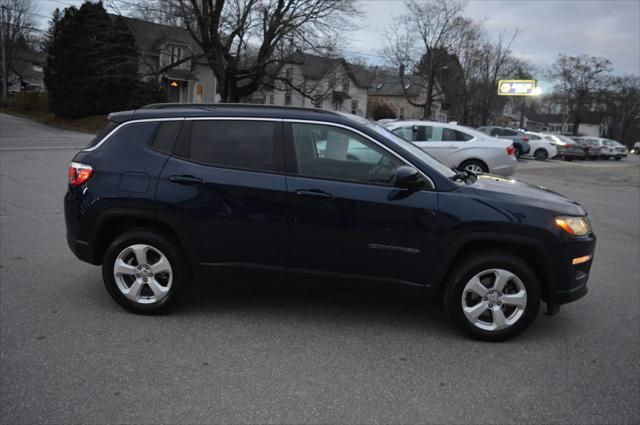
pixel 412 149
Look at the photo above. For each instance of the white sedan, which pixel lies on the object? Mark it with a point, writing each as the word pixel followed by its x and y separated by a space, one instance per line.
pixel 458 146
pixel 541 147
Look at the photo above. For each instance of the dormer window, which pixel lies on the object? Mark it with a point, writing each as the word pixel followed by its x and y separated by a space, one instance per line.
pixel 176 54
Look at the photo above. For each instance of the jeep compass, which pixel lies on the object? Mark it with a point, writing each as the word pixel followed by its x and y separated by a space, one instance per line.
pixel 242 193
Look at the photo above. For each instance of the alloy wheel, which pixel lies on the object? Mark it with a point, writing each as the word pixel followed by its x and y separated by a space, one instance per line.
pixel 143 274
pixel 494 299
pixel 474 168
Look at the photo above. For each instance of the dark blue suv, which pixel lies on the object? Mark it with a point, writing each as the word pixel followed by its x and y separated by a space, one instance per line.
pixel 241 193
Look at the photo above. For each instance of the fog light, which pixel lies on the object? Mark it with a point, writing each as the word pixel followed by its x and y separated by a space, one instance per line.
pixel 580 260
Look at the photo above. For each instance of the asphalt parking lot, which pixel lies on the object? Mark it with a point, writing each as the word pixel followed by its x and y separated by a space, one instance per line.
pixel 69 354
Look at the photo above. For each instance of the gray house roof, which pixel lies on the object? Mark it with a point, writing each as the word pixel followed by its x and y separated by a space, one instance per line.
pixel 389 84
pixel 150 36
pixel 314 67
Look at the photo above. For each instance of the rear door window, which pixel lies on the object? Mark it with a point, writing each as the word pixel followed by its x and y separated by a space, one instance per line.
pixel 234 144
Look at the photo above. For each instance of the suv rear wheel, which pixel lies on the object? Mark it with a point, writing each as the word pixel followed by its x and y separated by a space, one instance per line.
pixel 492 297
pixel 144 272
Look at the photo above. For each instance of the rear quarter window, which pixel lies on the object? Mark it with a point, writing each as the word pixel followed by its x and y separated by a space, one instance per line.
pixel 128 139
pixel 101 134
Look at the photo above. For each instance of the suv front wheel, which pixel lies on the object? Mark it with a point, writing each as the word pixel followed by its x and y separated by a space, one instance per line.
pixel 144 272
pixel 492 297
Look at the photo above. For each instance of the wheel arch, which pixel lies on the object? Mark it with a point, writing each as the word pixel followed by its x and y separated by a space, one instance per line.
pixel 111 223
pixel 529 249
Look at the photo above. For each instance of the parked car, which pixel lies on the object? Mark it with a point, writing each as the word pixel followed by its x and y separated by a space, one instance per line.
pixel 459 146
pixel 636 148
pixel 609 148
pixel 239 193
pixel 541 147
pixel 519 139
pixel 568 149
pixel 592 150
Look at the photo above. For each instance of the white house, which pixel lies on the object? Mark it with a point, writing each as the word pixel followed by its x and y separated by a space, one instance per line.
pixel 160 46
pixel 387 89
pixel 315 82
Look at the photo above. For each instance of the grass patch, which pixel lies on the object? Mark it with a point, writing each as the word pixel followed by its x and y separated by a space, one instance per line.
pixel 91 124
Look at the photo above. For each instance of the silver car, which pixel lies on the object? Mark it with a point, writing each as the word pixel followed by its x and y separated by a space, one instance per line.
pixel 459 146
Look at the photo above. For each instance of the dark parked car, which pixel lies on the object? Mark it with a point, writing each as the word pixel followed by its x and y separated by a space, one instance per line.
pixel 568 148
pixel 591 149
pixel 520 140
pixel 239 193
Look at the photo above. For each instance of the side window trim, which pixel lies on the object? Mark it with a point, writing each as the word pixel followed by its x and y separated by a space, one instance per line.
pixel 124 124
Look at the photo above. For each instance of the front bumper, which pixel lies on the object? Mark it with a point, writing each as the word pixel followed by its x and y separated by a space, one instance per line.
pixel 572 279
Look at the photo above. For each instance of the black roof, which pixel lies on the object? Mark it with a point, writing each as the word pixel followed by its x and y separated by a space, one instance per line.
pixel 177 110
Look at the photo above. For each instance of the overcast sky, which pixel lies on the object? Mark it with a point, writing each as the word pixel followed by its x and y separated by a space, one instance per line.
pixel 609 28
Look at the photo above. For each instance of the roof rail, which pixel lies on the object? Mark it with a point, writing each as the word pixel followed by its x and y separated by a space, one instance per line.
pixel 209 106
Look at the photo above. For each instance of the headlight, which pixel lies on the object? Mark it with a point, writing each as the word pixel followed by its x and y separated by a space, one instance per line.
pixel 575 226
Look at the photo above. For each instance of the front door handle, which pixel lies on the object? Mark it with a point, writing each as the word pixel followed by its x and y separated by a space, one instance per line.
pixel 314 194
pixel 185 179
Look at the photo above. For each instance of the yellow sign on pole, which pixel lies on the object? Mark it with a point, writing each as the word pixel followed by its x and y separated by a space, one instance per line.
pixel 517 88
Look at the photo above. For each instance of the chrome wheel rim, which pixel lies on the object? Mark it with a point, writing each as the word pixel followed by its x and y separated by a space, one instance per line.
pixel 474 168
pixel 143 274
pixel 494 299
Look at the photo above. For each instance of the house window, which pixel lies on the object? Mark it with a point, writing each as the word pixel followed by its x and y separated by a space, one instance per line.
pixel 317 101
pixel 287 97
pixel 176 54
pixel 336 105
pixel 345 83
pixel 332 81
pixel 271 100
pixel 354 107
pixel 289 75
pixel 401 115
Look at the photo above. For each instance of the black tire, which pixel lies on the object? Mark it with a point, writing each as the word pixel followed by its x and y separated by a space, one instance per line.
pixel 517 151
pixel 541 155
pixel 593 158
pixel 181 278
pixel 604 157
pixel 568 158
pixel 477 163
pixel 618 158
pixel 464 270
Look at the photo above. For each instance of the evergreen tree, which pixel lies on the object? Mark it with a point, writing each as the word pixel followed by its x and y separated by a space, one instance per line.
pixel 92 62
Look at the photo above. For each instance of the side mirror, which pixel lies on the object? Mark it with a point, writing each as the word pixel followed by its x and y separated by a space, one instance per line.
pixel 407 177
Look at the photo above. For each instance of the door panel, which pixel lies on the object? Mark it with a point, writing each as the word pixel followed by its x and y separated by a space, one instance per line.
pixel 232 222
pixel 224 194
pixel 348 222
pixel 360 231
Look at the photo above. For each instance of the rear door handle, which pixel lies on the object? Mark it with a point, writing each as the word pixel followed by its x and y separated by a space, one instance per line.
pixel 185 179
pixel 314 194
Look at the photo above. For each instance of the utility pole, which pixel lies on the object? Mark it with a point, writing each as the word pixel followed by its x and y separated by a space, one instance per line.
pixel 4 57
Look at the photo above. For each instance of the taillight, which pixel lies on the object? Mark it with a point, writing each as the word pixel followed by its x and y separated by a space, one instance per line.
pixel 79 173
pixel 510 150
pixel 525 138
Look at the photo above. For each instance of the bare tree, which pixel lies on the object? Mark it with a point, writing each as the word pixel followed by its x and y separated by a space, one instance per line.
pixel 241 39
pixel 623 102
pixel 580 81
pixel 15 33
pixel 495 62
pixel 419 41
